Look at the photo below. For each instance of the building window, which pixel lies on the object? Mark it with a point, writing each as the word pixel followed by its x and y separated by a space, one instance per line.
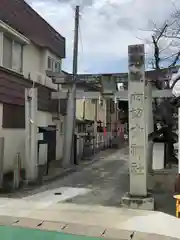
pixel 12 54
pixel 17 56
pixel 13 116
pixel 57 67
pixel 53 65
pixel 50 63
pixel 7 53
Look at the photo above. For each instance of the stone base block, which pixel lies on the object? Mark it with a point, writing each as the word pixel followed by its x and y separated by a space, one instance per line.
pixel 142 203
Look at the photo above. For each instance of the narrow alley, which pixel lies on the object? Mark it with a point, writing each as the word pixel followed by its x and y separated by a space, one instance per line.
pixel 104 182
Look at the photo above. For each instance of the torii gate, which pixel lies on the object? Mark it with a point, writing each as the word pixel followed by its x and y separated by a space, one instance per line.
pixel 139 95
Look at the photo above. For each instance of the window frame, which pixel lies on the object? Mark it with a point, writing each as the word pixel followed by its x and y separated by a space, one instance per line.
pixel 13 116
pixel 21 55
pixel 55 65
pixel 4 53
pixel 50 60
pixel 13 41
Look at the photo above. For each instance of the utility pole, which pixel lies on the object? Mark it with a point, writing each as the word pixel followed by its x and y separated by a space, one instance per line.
pixel 71 106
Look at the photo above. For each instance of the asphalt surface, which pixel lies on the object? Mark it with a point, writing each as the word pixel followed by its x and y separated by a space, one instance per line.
pixel 107 179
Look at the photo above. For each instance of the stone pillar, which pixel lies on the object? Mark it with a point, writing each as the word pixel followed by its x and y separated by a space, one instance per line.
pixel 31 136
pixel 137 122
pixel 138 136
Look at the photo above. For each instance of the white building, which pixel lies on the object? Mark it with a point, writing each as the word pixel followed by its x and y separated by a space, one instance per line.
pixel 28 47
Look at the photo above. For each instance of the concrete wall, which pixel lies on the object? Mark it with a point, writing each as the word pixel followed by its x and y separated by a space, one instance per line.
pixel 15 141
pixel 35 64
pixel 79 109
pixel 101 112
pixel 90 110
pixel 34 60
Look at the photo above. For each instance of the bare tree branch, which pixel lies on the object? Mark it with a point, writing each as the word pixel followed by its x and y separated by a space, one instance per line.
pixel 175 60
pixel 155 41
pixel 164 41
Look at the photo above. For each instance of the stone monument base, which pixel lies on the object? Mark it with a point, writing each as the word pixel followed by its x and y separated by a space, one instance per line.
pixel 142 203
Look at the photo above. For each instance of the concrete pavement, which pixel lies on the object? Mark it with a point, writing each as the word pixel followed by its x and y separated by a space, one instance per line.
pixel 90 199
pixel 103 182
pixel 106 181
pixel 90 220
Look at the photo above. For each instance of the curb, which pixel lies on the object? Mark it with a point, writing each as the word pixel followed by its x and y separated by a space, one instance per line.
pixel 97 232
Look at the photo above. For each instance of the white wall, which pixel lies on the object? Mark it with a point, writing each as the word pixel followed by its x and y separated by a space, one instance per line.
pixel 35 64
pixel 31 60
pixel 102 112
pixel 90 110
pixel 34 58
pixel 79 108
pixel 15 141
pixel 52 55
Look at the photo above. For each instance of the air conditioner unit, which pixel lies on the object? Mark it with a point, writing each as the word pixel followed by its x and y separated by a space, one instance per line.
pixel 40 78
pixel 48 82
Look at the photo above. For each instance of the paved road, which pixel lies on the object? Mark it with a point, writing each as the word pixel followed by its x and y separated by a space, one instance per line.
pixel 102 183
pixel 107 181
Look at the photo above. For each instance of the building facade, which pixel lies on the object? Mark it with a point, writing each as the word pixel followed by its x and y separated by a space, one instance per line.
pixel 29 47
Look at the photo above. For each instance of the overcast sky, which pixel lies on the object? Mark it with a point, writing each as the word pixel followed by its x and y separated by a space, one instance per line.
pixel 106 28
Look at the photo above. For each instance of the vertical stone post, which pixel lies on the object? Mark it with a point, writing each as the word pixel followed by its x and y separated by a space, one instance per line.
pixel 31 134
pixel 137 121
pixel 138 136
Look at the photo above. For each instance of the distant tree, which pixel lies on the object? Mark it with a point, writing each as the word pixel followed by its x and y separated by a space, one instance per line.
pixel 166 41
